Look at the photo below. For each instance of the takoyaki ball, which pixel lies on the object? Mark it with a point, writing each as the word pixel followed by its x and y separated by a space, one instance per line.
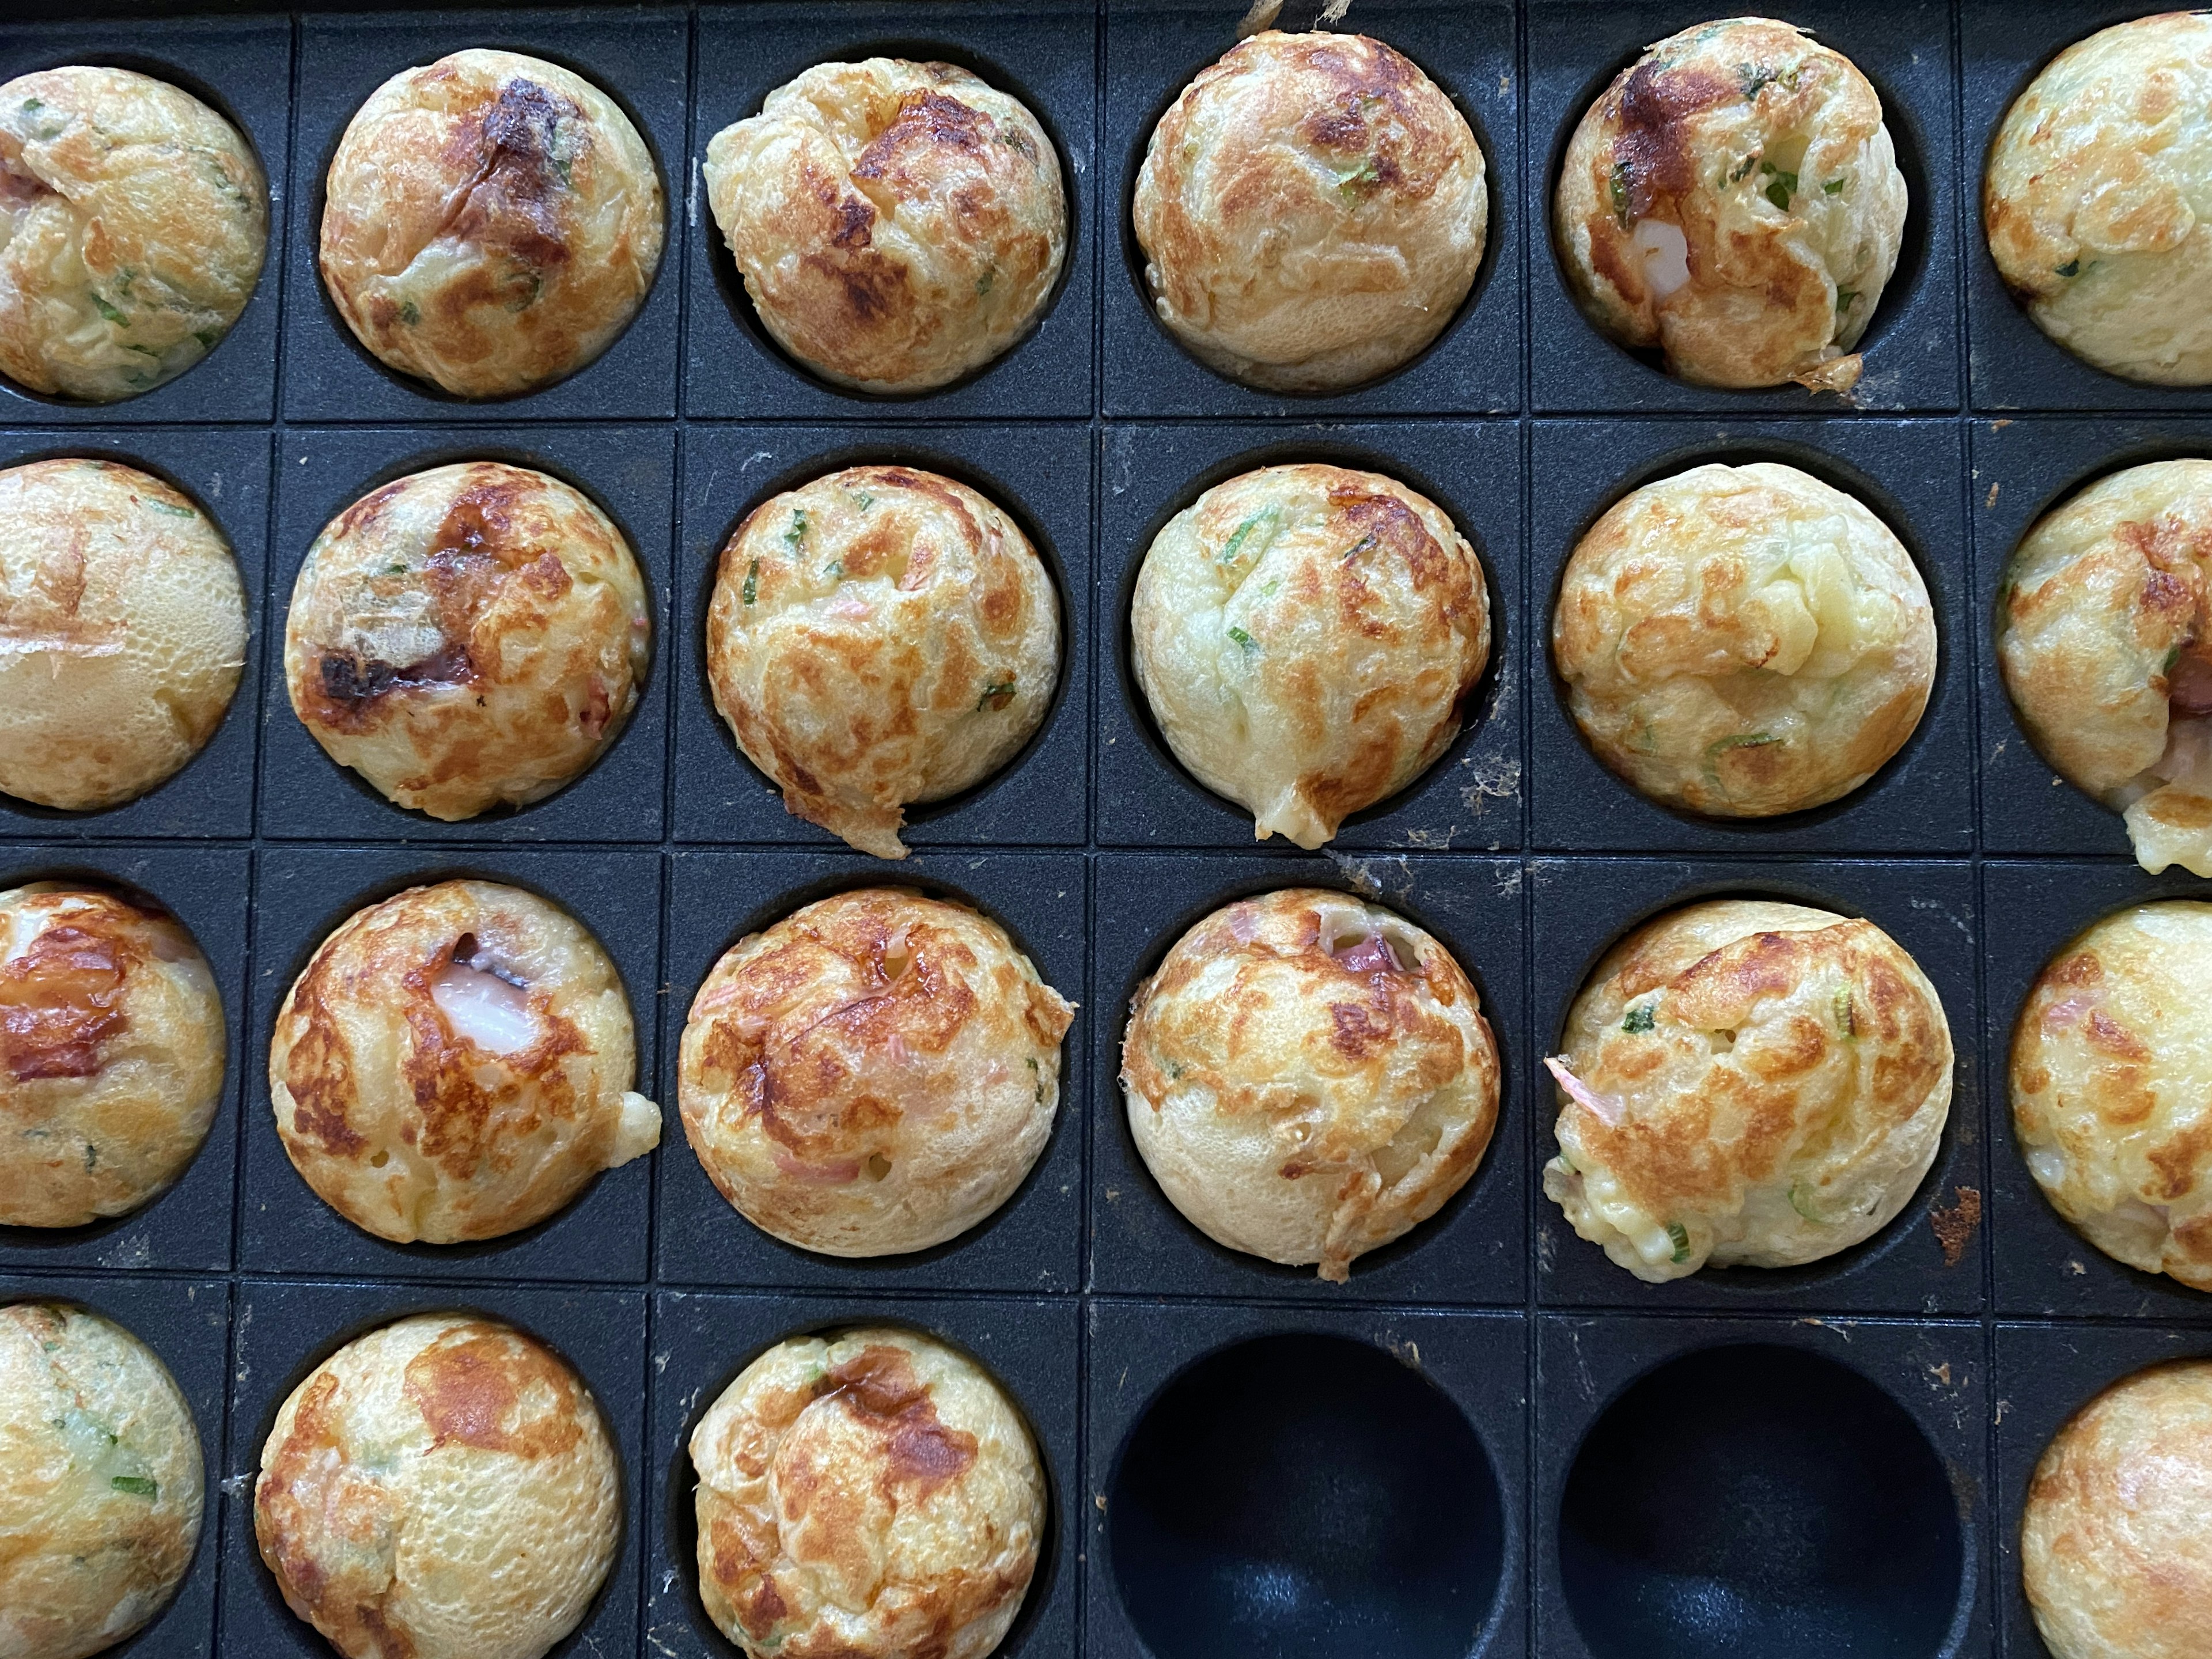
pixel 1746 1084
pixel 455 1063
pixel 491 223
pixel 1733 200
pixel 466 638
pixel 112 1051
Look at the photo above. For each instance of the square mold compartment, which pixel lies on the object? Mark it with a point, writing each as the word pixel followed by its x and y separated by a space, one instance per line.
pixel 2014 364
pixel 1733 1489
pixel 187 1228
pixel 226 472
pixel 1040 474
pixel 1043 54
pixel 1471 797
pixel 301 896
pixel 186 1322
pixel 628 473
pixel 1907 472
pixel 1474 1249
pixel 2023 469
pixel 638 56
pixel 1154 49
pixel 1911 346
pixel 1929 1259
pixel 2042 1265
pixel 702 1341
pixel 241 68
pixel 1300 1482
pixel 1032 1242
pixel 2045 1374
pixel 284 1330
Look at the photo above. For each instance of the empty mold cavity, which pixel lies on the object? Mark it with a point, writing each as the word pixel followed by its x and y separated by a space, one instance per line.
pixel 1305 1497
pixel 1743 1502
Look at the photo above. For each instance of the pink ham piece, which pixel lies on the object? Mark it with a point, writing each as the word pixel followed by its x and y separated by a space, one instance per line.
pixel 1605 1111
pixel 2189 687
pixel 834 1173
pixel 1371 955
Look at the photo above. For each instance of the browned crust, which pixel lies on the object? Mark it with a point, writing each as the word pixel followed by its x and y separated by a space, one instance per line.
pixel 529 166
pixel 918 969
pixel 1370 1011
pixel 1674 1160
pixel 912 1454
pixel 476 1384
pixel 473 1107
pixel 60 1001
pixel 478 547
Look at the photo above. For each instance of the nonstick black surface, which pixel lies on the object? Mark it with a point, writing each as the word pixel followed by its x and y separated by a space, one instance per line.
pixel 1491 1440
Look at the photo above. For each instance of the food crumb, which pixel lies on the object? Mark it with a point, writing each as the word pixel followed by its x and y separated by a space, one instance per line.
pixel 1954 1224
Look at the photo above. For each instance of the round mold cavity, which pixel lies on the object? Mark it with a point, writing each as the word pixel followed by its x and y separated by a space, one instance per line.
pixel 1840 475
pixel 1476 708
pixel 422 386
pixel 1898 295
pixel 1303 1496
pixel 823 465
pixel 460 453
pixel 1746 1501
pixel 1134 256
pixel 730 282
pixel 161 68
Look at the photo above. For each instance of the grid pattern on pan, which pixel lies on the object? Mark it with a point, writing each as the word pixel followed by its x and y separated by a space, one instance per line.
pixel 1529 863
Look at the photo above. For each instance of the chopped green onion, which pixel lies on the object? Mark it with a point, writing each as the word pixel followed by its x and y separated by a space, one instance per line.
pixel 1261 525
pixel 1752 79
pixel 1783 188
pixel 207 338
pixel 1834 187
pixel 1679 1235
pixel 173 510
pixel 1366 173
pixel 1623 178
pixel 1639 1019
pixel 1357 548
pixel 1804 1208
pixel 995 696
pixel 1844 1021
pixel 2172 658
pixel 1744 171
pixel 136 1485
pixel 1741 740
pixel 983 283
pixel 1844 299
pixel 2071 268
pixel 91 1156
pixel 797 532
pixel 408 314
pixel 752 583
pixel 108 310
pixel 1244 639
